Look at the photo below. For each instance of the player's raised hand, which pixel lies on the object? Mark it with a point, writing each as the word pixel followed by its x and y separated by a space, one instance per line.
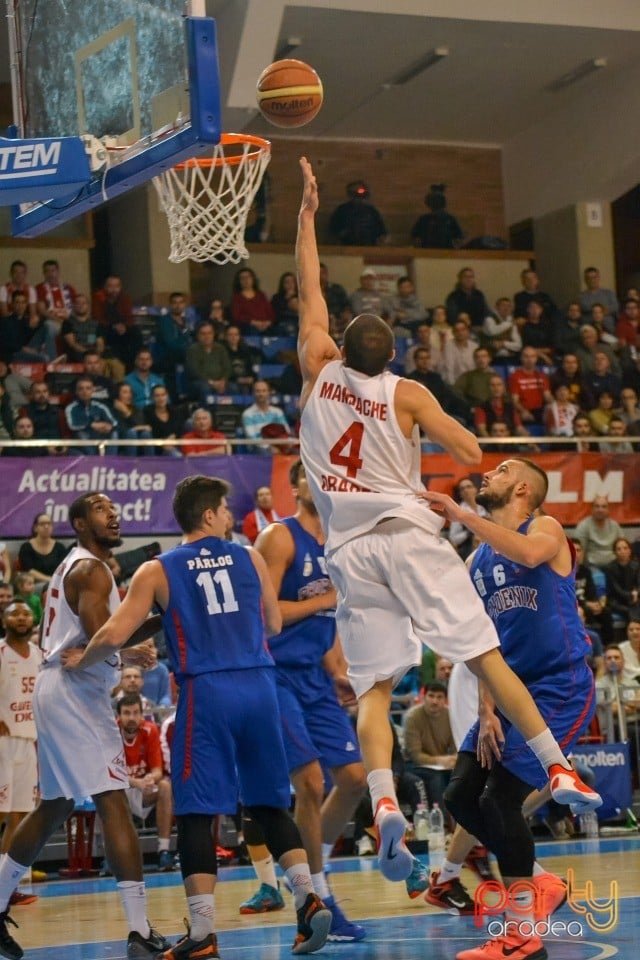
pixel 310 200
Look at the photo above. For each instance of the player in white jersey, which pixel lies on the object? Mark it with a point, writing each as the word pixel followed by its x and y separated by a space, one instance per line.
pixel 399 584
pixel 79 745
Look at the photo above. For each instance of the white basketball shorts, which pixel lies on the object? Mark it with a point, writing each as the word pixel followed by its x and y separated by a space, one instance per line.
pixel 18 775
pixel 136 803
pixel 462 694
pixel 399 587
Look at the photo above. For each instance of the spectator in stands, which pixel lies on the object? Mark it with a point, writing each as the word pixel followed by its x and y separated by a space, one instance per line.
pixel 261 414
pixel 458 355
pixel 142 380
pixel 157 685
pixel 337 300
pixel 55 297
pixel 531 291
pixel 132 424
pixel 89 419
pixel 537 331
pixel 617 428
pixel 530 388
pixel 501 429
pixel 441 333
pixel 594 293
pixel 205 441
pixel 81 332
pixel 251 310
pixel 23 430
pixel 498 408
pixel 438 229
pixel 16 386
pixel 357 223
pixel 6 597
pixel 598 319
pixel 111 306
pixel 630 649
pixel 602 378
pixel 408 311
pixel 174 334
pixel 367 298
pixel 560 414
pixel 400 332
pixel 24 336
pixel 42 553
pixel 582 429
pixel 132 681
pixel 629 411
pixel 462 539
pixel 25 591
pixel 598 533
pixel 242 358
pixel 261 516
pixel 623 582
pixel 631 374
pixel 466 298
pixel 600 416
pixel 616 672
pixel 165 422
pixel 207 364
pixel 591 599
pixel 148 787
pixel 566 330
pixel 44 416
pixel 423 338
pixel 232 534
pixel 6 417
pixel 568 375
pixel 589 344
pixel 428 741
pixel 501 331
pixel 627 326
pixel 450 401
pixel 285 306
pixel 104 386
pixel 474 385
pixel 18 283
pixel 217 317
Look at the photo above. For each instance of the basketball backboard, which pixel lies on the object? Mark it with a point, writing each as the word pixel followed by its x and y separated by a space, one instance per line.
pixel 139 76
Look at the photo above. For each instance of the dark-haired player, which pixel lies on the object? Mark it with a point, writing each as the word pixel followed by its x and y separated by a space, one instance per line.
pixel 227 743
pixel 399 584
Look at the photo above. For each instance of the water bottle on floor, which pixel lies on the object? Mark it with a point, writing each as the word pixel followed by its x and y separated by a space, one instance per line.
pixel 436 838
pixel 421 822
pixel 589 825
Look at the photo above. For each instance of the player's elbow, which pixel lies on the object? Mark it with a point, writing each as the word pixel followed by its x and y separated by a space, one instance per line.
pixel 274 624
pixel 468 452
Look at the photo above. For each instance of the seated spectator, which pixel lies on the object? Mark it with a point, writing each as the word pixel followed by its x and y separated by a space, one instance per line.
pixel 218 317
pixel 142 380
pixel 243 359
pixel 6 593
pixel 598 320
pixel 438 229
pixel 537 332
pixel 623 582
pixel 205 441
pixel 501 429
pixel 473 385
pixel 148 788
pixel 132 424
pixel 462 539
pixel 531 291
pixel 400 332
pixel 458 355
pixel 627 326
pixel 23 430
pixel 441 333
pixel 250 308
pixel 174 334
pixel 24 336
pixel 601 377
pixel 131 677
pixel 16 386
pixel 338 305
pixel 568 375
pixel 566 330
pixel 285 306
pixel 89 419
pixel 207 364
pixel 501 331
pixel 81 332
pixel 232 534
pixel 499 407
pixel 55 297
pixel 629 410
pixel 104 386
pixel 466 298
pixel 111 306
pixel 617 428
pixel 616 674
pixel 18 283
pixel 157 685
pixel 42 553
pixel 598 533
pixel 600 416
pixel 257 519
pixel 560 414
pixel 429 746
pixel 591 600
pixel 367 298
pixel 630 649
pixel 589 346
pixel 423 337
pixel 529 388
pixel 594 293
pixel 582 429
pixel 164 421
pixel 443 669
pixel 357 223
pixel 450 401
pixel 25 591
pixel 44 416
pixel 408 312
pixel 261 414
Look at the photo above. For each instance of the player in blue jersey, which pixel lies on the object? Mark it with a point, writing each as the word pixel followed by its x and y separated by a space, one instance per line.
pixel 317 733
pixel 524 573
pixel 227 743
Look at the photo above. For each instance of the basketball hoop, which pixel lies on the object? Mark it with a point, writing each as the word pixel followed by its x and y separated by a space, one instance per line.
pixel 207 199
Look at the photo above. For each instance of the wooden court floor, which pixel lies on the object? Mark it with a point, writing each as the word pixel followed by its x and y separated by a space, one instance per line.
pixel 82 920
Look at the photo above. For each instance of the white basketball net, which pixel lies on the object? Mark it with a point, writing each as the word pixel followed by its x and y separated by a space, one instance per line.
pixel 207 202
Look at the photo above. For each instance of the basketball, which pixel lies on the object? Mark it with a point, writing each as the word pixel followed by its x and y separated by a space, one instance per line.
pixel 289 93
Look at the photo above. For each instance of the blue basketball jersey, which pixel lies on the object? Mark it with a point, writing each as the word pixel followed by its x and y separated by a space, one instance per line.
pixel 307 641
pixel 535 612
pixel 214 618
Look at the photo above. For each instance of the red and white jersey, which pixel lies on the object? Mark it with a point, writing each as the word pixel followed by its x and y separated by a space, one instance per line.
pixel 61 297
pixel 166 739
pixel 143 754
pixel 62 627
pixel 17 680
pixel 7 291
pixel 360 467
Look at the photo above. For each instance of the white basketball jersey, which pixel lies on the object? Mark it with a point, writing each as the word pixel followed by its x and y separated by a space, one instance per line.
pixel 360 467
pixel 62 627
pixel 17 680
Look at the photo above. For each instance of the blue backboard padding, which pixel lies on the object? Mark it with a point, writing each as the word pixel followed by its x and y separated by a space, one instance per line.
pixel 41 168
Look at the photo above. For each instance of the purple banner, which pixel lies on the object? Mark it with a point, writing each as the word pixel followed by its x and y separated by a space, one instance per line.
pixel 142 487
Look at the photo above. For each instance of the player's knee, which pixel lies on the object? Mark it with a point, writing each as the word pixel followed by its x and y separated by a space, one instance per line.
pixel 196 846
pixel 456 799
pixel 280 832
pixel 308 783
pixel 164 790
pixel 351 780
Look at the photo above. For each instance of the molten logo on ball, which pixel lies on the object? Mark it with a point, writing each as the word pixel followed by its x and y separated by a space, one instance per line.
pixel 289 93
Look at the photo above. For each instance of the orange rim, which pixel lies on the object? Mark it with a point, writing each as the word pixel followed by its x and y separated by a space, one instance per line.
pixel 226 140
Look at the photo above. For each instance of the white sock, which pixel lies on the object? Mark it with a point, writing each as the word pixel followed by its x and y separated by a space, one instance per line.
pixel 546 749
pixel 163 843
pixel 266 871
pixel 538 870
pixel 320 885
pixel 381 785
pixel 10 875
pixel 327 850
pixel 299 877
pixel 448 871
pixel 200 916
pixel 524 901
pixel 134 903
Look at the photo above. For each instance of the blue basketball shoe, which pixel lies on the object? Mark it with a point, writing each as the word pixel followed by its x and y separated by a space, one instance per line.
pixel 418 880
pixel 342 930
pixel 264 900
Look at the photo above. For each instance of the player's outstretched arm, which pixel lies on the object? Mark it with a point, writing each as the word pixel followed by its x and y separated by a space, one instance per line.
pixel 315 346
pixel 418 402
